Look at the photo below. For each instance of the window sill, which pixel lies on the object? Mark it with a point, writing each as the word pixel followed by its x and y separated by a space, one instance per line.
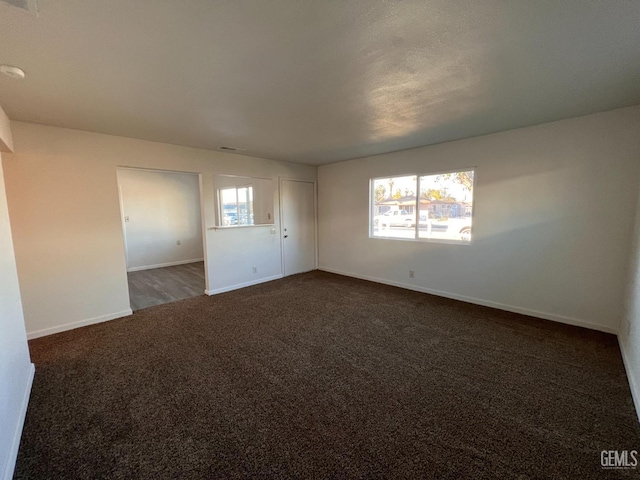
pixel 424 240
pixel 232 227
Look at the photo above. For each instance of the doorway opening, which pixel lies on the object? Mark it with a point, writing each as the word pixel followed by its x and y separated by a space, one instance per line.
pixel 163 236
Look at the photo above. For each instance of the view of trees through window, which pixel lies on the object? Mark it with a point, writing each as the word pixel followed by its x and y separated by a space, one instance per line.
pixel 433 207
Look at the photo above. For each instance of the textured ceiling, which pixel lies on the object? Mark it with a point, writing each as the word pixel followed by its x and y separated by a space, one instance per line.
pixel 317 81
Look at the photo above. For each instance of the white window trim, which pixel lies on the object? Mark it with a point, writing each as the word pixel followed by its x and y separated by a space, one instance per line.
pixel 417 237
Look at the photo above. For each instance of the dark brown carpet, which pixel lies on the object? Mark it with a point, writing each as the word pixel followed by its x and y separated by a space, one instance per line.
pixel 323 376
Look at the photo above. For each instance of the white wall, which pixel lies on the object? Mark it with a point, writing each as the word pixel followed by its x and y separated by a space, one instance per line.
pixel 629 334
pixel 65 215
pixel 553 219
pixel 162 209
pixel 16 370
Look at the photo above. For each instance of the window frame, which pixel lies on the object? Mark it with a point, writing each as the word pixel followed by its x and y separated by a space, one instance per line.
pixel 416 213
pixel 248 201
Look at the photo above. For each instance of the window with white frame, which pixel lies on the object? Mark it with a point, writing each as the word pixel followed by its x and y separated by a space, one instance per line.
pixel 236 205
pixel 436 207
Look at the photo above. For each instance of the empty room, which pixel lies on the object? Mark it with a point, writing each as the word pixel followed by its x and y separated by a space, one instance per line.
pixel 319 239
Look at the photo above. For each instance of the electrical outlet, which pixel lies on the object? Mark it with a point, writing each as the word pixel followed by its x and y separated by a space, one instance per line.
pixel 412 274
pixel 255 270
pixel 178 242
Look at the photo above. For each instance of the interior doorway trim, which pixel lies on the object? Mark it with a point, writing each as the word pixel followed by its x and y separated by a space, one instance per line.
pixel 203 226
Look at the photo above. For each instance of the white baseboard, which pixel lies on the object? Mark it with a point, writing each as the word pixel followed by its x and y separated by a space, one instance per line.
pixel 242 285
pixel 17 433
pixel 478 301
pixel 633 384
pixel 81 323
pixel 167 264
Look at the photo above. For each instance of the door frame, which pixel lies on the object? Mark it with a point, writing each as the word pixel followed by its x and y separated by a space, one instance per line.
pixel 315 219
pixel 202 218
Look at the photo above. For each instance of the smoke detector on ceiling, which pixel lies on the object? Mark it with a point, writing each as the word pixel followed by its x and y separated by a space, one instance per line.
pixel 11 71
pixel 30 6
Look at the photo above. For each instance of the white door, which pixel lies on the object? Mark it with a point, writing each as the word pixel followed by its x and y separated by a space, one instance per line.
pixel 298 226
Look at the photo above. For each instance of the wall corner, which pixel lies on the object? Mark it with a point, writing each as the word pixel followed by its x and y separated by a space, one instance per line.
pixel 6 139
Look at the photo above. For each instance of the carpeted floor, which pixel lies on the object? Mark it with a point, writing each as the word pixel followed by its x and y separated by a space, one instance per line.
pixel 322 376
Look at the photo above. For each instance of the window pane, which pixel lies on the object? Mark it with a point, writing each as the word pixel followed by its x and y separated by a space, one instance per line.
pixel 237 205
pixel 229 200
pixel 245 206
pixel 394 207
pixel 446 204
pixel 250 206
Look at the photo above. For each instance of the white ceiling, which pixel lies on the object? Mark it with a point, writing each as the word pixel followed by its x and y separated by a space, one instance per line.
pixel 317 81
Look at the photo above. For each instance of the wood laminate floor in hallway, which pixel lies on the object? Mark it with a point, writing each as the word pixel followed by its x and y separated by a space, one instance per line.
pixel 167 284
